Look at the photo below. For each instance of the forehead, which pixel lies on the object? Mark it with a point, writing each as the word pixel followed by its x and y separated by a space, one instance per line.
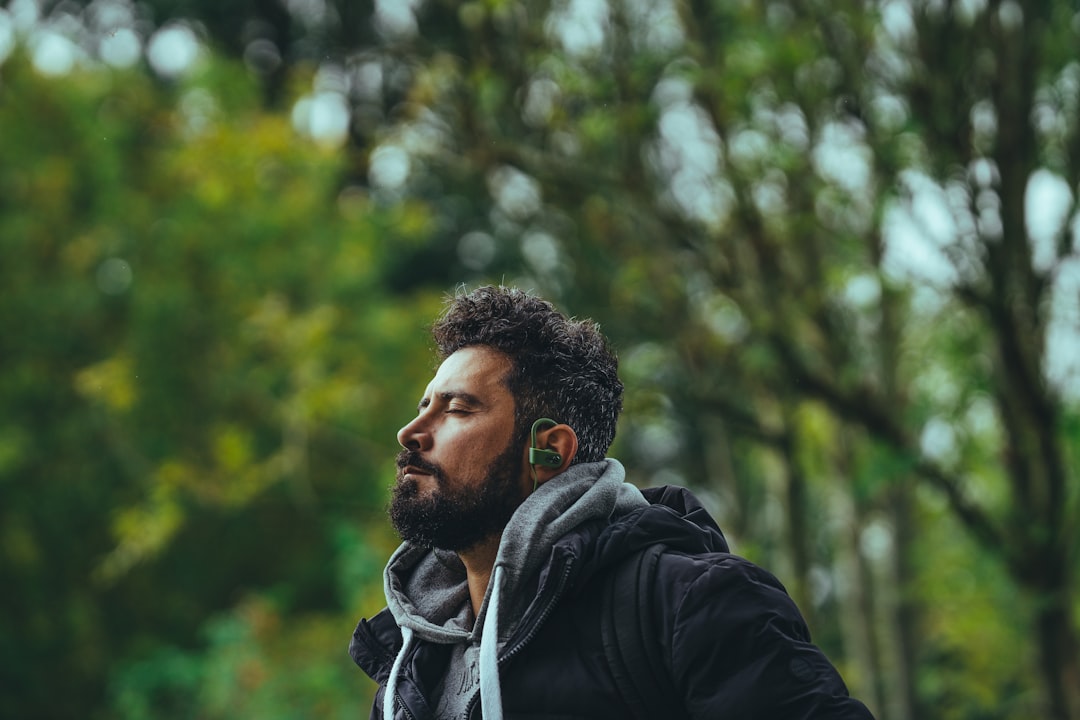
pixel 477 370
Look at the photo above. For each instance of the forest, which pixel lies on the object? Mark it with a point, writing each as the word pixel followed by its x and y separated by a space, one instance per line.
pixel 835 244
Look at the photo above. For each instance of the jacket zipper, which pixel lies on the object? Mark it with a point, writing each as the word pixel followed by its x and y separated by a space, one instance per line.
pixel 402 706
pixel 557 594
pixel 533 630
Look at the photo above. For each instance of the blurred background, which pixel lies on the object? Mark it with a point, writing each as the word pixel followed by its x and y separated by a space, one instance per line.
pixel 834 243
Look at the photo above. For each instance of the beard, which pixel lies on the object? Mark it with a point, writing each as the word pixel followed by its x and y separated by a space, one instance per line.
pixel 455 516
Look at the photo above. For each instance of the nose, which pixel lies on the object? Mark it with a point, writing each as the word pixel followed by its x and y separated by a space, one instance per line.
pixel 415 435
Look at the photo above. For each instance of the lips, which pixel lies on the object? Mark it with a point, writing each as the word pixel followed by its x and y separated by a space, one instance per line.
pixel 410 463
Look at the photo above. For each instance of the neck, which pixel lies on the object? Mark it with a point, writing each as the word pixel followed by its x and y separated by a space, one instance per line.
pixel 479 560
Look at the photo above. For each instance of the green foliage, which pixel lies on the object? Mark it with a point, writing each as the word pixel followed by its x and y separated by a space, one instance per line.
pixel 198 361
pixel 257 661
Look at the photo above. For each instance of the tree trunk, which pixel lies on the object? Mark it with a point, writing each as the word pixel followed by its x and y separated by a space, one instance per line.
pixel 1058 660
pixel 855 594
pixel 902 608
pixel 799 541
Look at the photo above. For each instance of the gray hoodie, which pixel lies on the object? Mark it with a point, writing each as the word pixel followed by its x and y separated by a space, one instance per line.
pixel 426 589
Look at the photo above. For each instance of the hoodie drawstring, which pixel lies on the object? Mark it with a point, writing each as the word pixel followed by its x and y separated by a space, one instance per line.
pixel 395 671
pixel 490 688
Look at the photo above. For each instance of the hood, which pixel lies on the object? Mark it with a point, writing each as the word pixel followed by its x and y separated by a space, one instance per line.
pixel 673 517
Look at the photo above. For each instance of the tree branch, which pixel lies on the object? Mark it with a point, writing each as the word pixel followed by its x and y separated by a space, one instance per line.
pixel 869 413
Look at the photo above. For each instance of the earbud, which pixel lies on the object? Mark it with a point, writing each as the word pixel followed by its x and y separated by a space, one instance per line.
pixel 540 457
pixel 537 456
pixel 547 458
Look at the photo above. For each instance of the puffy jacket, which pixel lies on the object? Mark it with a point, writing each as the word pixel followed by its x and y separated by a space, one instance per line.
pixel 733 641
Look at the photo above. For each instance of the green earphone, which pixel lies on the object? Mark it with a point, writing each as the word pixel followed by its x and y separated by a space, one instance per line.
pixel 547 458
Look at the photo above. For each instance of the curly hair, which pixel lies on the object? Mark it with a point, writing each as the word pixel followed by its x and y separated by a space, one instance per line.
pixel 562 368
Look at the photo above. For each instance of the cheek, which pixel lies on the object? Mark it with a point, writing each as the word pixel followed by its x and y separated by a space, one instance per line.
pixel 473 461
pixel 461 455
pixel 472 456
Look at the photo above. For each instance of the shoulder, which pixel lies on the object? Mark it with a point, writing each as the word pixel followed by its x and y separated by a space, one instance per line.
pixel 736 642
pixel 705 598
pixel 720 583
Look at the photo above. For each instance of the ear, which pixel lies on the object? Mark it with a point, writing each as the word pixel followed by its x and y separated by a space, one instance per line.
pixel 563 440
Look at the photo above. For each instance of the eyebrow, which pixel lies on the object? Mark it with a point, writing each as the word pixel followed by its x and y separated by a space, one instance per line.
pixel 448 395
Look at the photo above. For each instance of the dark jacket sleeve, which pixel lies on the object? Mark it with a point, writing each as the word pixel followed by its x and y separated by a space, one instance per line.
pixel 739 647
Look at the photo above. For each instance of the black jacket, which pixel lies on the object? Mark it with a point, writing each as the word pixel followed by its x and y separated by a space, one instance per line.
pixel 733 641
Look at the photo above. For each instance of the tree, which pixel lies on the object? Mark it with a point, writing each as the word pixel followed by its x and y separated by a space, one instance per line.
pixel 751 187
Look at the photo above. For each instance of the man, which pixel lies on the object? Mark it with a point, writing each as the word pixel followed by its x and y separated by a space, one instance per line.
pixel 515 527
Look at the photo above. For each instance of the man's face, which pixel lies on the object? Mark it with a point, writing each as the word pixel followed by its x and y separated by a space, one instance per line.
pixel 461 475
